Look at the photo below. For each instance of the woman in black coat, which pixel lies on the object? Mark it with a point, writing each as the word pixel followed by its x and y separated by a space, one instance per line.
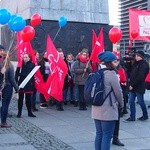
pixel 27 91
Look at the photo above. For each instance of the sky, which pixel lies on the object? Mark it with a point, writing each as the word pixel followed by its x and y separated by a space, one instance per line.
pixel 113 12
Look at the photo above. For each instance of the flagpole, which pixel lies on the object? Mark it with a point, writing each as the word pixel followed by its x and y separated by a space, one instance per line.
pixel 57 33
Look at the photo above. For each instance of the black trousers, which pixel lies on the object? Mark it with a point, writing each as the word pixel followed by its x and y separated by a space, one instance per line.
pixel 117 126
pixel 27 101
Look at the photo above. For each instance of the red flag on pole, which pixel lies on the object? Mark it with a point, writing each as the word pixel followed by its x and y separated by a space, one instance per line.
pixel 58 71
pixel 98 46
pixel 139 24
pixel 24 47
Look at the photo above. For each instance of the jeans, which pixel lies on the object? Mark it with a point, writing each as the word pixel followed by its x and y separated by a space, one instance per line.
pixel 104 132
pixel 140 98
pixel 6 97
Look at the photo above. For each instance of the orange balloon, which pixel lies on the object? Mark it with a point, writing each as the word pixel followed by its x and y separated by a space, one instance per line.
pixel 27 33
pixel 35 20
pixel 115 34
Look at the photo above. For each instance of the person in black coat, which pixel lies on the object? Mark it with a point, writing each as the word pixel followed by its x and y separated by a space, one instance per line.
pixel 27 91
pixel 138 74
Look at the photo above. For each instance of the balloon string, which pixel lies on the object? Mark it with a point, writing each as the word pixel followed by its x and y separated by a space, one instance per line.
pixel 57 33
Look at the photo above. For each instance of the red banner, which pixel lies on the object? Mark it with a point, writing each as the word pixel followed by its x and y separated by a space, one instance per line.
pixel 139 24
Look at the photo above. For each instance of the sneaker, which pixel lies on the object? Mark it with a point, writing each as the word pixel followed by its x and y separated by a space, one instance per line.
pixel 143 118
pixel 43 105
pixel 130 119
pixel 5 125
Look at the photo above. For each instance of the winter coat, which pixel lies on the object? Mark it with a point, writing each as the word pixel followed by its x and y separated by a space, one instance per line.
pixel 138 74
pixel 22 73
pixel 80 76
pixel 10 77
pixel 109 109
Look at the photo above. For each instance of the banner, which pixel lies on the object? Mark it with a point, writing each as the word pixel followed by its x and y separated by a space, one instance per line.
pixel 30 75
pixel 139 24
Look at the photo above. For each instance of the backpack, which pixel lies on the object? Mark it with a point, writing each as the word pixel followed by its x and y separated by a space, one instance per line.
pixel 94 88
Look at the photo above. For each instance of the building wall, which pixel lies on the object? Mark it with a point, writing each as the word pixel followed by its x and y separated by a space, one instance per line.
pixel 124 18
pixel 82 17
pixel 92 11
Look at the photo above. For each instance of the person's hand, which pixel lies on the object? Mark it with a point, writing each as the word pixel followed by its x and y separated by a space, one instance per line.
pixel 85 70
pixel 3 70
pixel 130 88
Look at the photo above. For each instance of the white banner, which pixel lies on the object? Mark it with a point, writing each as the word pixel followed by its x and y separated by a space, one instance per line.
pixel 30 75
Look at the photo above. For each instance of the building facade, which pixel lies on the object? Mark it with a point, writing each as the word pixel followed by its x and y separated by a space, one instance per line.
pixel 82 17
pixel 124 6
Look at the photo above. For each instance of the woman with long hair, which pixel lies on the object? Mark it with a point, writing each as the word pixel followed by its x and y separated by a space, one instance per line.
pixel 105 116
pixel 7 79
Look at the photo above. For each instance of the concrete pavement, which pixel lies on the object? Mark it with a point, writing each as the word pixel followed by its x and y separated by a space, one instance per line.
pixel 70 129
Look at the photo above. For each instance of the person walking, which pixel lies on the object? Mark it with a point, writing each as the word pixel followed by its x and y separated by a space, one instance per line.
pixel 27 91
pixel 105 116
pixel 138 74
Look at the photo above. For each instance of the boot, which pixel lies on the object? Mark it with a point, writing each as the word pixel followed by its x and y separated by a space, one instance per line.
pixel 117 142
pixel 59 106
pixel 81 106
pixel 84 106
pixel 19 114
pixel 76 104
pixel 30 114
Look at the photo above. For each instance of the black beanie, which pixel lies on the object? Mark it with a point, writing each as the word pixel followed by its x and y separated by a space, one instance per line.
pixel 140 53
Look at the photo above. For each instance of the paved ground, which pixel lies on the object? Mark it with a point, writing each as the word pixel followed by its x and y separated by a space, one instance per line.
pixel 68 130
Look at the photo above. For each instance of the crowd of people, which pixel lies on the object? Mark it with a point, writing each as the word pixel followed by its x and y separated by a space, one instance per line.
pixel 124 75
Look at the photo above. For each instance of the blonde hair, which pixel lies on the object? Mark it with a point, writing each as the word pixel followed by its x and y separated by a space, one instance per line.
pixel 6 58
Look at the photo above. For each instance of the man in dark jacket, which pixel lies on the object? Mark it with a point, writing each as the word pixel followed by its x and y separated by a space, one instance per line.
pixel 138 74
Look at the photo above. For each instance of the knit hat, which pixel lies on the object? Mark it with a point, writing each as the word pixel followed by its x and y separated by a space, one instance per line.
pixel 107 56
pixel 140 53
pixel 2 47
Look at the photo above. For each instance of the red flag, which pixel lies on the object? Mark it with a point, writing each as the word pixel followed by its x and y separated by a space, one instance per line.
pixel 139 24
pixel 39 83
pixel 24 47
pixel 58 71
pixel 98 46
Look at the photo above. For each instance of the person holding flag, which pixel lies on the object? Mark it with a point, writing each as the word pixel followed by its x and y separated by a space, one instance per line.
pixel 82 69
pixel 7 82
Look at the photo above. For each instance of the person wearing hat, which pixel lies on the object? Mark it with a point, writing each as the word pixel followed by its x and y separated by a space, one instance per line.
pixel 105 116
pixel 138 74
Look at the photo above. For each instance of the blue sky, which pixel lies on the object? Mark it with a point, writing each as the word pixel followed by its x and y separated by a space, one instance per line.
pixel 113 12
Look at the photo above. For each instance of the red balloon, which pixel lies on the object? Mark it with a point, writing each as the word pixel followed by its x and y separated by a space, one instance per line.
pixel 35 20
pixel 27 33
pixel 134 34
pixel 115 34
